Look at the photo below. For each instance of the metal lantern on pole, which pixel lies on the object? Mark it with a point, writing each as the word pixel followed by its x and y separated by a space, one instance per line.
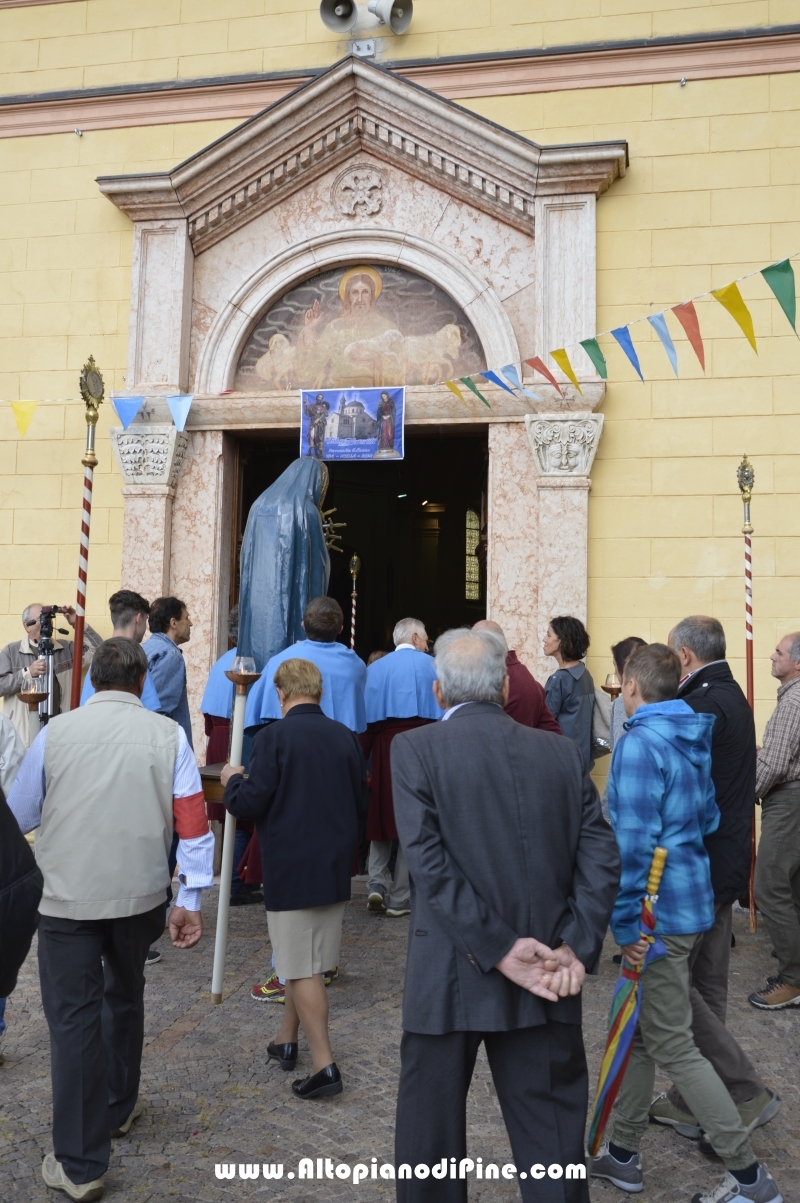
pixel 243 676
pixel 746 477
pixel 92 390
pixel 355 568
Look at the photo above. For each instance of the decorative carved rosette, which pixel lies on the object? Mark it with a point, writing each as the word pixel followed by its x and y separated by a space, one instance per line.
pixel 358 191
pixel 564 444
pixel 150 455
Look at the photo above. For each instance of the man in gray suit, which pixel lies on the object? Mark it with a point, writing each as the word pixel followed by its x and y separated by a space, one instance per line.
pixel 514 874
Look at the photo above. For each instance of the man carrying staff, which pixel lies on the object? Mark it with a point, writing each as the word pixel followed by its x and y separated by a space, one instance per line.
pixel 21 663
pixel 513 877
pixel 127 776
pixel 398 697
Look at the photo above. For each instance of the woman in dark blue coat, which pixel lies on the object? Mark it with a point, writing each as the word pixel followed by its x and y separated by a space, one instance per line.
pixel 570 690
pixel 307 793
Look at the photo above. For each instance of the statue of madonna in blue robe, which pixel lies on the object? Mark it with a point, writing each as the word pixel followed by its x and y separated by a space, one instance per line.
pixel 284 562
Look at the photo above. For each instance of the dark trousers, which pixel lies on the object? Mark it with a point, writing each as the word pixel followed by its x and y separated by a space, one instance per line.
pixel 542 1084
pixel 92 978
pixel 709 963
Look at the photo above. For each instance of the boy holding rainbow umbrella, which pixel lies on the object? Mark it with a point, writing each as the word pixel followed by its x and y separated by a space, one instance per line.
pixel 661 797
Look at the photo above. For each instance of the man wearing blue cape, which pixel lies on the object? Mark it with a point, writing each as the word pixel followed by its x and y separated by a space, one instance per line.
pixel 216 708
pixel 399 696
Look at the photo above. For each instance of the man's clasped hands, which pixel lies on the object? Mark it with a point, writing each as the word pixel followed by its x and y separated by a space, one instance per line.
pixel 550 973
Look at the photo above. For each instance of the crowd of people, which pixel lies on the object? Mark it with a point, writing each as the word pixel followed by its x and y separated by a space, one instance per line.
pixel 463 787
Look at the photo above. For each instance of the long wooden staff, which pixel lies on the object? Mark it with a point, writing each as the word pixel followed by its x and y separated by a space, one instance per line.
pixel 745 477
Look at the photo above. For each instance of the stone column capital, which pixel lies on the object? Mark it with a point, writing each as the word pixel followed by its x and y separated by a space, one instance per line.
pixel 564 446
pixel 150 454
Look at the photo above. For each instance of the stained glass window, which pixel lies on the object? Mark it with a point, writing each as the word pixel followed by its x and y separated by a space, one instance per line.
pixel 472 573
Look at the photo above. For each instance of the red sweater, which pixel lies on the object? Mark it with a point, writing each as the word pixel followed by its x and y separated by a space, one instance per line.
pixel 526 702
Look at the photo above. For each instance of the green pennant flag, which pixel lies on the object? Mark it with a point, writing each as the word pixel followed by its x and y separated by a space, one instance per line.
pixel 466 380
pixel 780 278
pixel 592 349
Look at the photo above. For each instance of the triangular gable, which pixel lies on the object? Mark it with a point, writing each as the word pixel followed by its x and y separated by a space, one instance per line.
pixel 356 108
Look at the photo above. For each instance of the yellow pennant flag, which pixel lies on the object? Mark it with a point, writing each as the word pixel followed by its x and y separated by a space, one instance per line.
pixel 23 412
pixel 562 359
pixel 731 299
pixel 455 389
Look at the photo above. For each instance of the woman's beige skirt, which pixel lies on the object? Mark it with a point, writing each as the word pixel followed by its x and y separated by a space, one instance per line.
pixel 306 942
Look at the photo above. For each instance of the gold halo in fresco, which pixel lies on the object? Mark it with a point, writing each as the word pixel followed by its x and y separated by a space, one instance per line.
pixel 360 271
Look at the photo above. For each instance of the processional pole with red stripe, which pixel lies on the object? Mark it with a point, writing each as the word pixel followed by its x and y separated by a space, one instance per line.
pixel 91 386
pixel 746 478
pixel 355 568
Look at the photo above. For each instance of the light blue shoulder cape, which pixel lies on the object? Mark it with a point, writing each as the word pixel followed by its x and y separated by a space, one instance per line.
pixel 400 685
pixel 344 676
pixel 218 697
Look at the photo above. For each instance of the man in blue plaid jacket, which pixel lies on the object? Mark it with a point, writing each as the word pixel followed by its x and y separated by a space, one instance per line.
pixel 660 793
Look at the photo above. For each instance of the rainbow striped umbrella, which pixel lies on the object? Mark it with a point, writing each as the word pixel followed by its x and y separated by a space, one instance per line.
pixel 624 1013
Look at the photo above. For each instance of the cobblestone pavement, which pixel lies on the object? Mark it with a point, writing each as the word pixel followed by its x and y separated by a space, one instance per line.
pixel 211 1097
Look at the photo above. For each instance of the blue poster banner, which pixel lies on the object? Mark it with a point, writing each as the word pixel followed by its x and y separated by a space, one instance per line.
pixel 352 423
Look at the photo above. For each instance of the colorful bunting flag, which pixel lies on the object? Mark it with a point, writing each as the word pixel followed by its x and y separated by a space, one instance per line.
pixel 474 389
pixel 731 299
pixel 179 408
pixel 23 411
pixel 455 389
pixel 623 336
pixel 687 316
pixel 562 359
pixel 659 324
pixel 538 366
pixel 780 278
pixel 493 378
pixel 592 349
pixel 512 376
pixel 127 408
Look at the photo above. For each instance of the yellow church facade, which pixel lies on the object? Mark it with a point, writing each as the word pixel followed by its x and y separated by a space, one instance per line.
pixel 174 180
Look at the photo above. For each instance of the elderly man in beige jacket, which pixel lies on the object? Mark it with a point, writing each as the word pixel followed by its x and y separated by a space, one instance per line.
pixel 105 785
pixel 21 663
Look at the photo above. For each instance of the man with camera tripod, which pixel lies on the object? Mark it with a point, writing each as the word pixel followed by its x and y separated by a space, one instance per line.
pixel 21 662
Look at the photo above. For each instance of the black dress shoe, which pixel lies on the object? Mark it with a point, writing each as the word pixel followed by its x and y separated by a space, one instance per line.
pixel 246 899
pixel 284 1054
pixel 317 1086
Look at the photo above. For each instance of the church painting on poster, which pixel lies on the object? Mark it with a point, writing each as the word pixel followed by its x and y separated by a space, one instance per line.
pixel 352 423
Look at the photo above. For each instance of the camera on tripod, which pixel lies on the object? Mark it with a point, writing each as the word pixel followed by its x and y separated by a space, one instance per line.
pixel 46 650
pixel 46 617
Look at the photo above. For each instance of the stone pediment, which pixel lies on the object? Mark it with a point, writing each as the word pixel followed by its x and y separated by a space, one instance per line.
pixel 357 108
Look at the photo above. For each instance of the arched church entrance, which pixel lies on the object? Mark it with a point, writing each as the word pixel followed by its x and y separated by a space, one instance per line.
pixel 359 232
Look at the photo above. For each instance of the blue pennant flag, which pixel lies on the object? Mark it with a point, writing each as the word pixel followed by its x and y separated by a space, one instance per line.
pixel 512 376
pixel 659 324
pixel 179 408
pixel 127 408
pixel 495 379
pixel 623 336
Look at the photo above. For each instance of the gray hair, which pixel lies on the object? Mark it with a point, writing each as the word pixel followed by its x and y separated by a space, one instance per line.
pixel 26 612
pixel 703 636
pixel 118 661
pixel 794 647
pixel 471 666
pixel 407 627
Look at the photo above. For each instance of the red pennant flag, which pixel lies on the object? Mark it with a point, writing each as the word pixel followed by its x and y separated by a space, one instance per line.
pixel 538 366
pixel 687 316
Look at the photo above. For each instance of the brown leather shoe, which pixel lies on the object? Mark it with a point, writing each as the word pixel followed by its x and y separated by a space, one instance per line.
pixel 776 995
